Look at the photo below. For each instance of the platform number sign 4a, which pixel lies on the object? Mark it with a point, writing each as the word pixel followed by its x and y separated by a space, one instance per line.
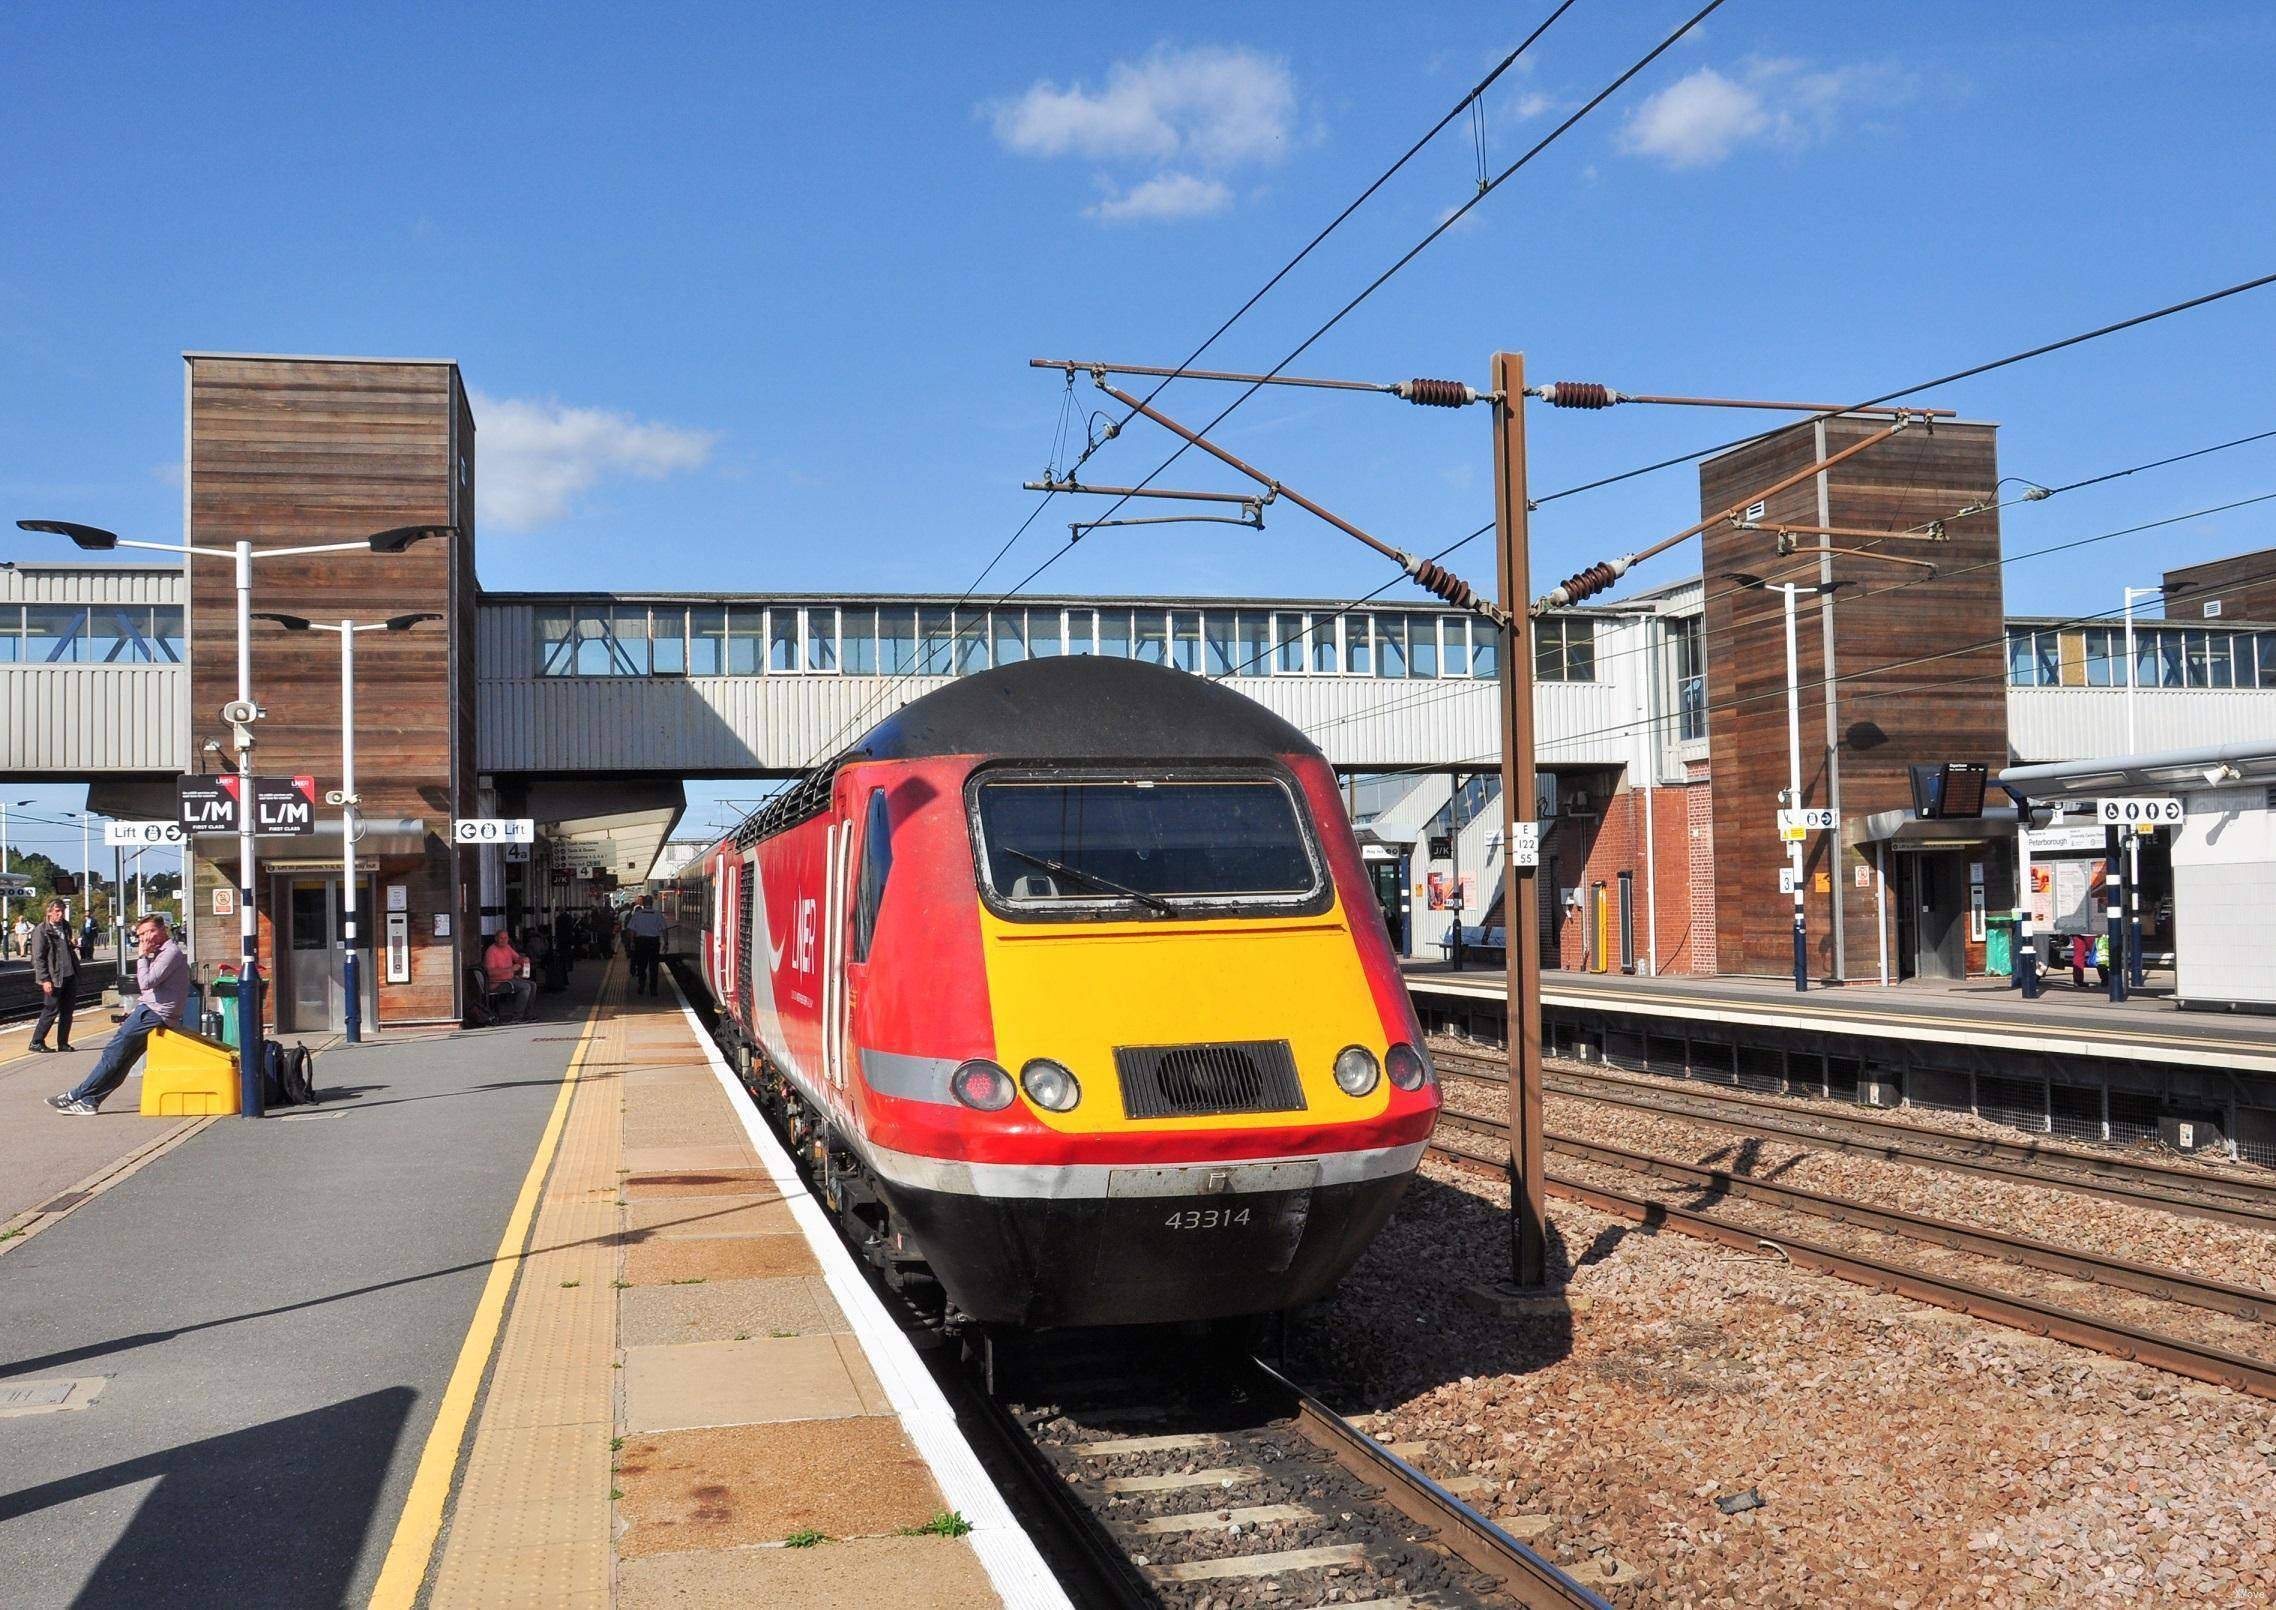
pixel 2146 810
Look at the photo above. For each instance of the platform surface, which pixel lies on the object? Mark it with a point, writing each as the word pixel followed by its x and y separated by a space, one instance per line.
pixel 2146 1026
pixel 268 1312
pixel 682 1411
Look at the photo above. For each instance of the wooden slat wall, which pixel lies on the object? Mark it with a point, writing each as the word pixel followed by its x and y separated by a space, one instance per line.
pixel 1947 703
pixel 2244 585
pixel 288 451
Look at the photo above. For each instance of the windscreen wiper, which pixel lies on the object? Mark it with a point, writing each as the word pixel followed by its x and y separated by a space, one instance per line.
pixel 1091 878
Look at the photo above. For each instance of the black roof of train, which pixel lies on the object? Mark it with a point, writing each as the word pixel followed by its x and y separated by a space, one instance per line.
pixel 1082 708
pixel 1073 710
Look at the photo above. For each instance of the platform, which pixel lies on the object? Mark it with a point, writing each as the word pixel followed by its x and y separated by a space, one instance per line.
pixel 1984 1012
pixel 533 1315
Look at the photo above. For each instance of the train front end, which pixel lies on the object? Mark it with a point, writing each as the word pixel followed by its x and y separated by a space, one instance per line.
pixel 1202 1088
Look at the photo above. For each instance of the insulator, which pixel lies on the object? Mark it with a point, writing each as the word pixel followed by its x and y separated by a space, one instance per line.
pixel 1589 582
pixel 1578 394
pixel 1442 582
pixel 1436 393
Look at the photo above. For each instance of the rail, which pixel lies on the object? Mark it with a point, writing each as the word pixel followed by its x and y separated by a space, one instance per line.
pixel 2164 1187
pixel 2178 1355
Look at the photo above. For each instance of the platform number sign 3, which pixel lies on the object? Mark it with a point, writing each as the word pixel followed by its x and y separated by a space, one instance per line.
pixel 2139 811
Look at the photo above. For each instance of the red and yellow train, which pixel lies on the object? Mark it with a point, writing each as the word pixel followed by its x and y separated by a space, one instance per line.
pixel 1068 981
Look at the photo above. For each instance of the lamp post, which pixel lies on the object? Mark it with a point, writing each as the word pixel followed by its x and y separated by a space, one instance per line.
pixel 2132 961
pixel 1792 590
pixel 350 978
pixel 241 715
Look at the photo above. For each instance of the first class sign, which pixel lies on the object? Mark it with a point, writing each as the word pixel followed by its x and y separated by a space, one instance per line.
pixel 282 806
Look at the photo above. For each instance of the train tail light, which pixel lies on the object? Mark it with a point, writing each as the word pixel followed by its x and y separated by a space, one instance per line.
pixel 1409 1068
pixel 983 1085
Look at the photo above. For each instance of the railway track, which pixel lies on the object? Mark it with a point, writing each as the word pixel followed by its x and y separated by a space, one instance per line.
pixel 20 996
pixel 1186 1475
pixel 2216 1354
pixel 1204 1477
pixel 2164 1187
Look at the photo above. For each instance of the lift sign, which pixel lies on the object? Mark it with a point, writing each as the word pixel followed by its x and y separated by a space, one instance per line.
pixel 2143 811
pixel 493 830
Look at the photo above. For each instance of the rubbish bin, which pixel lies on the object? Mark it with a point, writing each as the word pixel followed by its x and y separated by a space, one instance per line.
pixel 225 1007
pixel 1999 946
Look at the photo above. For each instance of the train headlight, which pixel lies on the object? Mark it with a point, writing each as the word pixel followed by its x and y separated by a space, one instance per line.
pixel 1409 1069
pixel 980 1083
pixel 1050 1085
pixel 1356 1070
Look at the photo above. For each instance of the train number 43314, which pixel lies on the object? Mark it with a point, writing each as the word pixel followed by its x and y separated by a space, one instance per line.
pixel 1207 1218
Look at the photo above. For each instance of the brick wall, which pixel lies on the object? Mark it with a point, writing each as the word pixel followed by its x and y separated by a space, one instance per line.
pixel 1589 849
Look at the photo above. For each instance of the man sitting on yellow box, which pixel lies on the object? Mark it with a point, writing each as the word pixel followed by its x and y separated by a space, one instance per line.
pixel 162 974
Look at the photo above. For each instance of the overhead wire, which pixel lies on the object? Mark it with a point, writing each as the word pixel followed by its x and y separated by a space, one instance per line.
pixel 1454 217
pixel 1969 510
pixel 1092 444
pixel 1616 729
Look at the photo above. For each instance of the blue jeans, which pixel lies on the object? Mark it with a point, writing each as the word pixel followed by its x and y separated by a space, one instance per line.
pixel 120 1056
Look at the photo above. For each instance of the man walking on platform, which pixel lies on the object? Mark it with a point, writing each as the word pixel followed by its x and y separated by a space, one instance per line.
pixel 162 974
pixel 644 937
pixel 56 966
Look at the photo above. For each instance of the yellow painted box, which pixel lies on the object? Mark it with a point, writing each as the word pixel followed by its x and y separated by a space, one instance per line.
pixel 188 1076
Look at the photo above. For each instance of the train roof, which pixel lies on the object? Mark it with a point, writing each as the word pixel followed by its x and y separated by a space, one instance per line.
pixel 1083 708
pixel 1073 710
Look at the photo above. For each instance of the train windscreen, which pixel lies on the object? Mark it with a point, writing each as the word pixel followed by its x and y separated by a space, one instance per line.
pixel 1117 843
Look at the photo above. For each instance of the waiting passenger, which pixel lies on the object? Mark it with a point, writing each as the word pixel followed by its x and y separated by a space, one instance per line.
pixel 506 970
pixel 162 974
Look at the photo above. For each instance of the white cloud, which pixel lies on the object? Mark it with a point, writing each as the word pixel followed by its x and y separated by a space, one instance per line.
pixel 1165 196
pixel 1180 118
pixel 1532 104
pixel 538 458
pixel 1704 116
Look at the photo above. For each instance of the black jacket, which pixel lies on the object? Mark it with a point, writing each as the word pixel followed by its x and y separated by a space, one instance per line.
pixel 54 959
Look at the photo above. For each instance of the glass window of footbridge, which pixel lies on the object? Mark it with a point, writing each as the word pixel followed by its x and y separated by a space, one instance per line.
pixel 96 634
pixel 2164 657
pixel 595 640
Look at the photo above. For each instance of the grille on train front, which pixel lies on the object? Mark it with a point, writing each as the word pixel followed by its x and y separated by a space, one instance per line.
pixel 1196 1081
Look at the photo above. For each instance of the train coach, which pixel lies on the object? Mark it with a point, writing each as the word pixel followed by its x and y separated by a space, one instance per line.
pixel 1068 982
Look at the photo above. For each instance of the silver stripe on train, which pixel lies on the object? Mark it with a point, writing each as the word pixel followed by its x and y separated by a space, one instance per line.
pixel 1080 1181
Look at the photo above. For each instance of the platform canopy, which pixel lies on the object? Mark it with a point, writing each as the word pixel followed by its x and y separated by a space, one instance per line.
pixel 2212 766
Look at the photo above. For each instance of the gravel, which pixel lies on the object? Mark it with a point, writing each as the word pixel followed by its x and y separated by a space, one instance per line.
pixel 2204 1247
pixel 1904 1456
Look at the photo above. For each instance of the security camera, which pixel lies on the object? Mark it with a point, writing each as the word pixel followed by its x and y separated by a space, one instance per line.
pixel 241 712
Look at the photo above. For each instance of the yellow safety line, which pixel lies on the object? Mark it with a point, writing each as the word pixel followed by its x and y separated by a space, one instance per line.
pixel 413 1545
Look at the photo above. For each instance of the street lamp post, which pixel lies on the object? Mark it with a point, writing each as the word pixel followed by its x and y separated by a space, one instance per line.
pixel 241 716
pixel 2132 960
pixel 1791 590
pixel 350 976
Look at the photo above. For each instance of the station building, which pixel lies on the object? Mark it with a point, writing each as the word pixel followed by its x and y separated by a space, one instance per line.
pixel 1661 716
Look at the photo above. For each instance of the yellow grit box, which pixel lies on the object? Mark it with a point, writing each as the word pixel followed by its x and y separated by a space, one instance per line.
pixel 187 1075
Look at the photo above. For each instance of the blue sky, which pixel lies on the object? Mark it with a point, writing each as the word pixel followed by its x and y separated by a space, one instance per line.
pixel 746 293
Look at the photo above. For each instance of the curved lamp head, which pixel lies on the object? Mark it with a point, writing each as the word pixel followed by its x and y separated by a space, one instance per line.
pixel 87 536
pixel 397 538
pixel 291 623
pixel 403 623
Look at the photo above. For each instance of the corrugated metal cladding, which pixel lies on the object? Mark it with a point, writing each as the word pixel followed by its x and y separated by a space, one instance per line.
pixel 2051 724
pixel 91 584
pixel 77 719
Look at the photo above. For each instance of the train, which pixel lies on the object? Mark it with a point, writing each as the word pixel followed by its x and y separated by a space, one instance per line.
pixel 1068 984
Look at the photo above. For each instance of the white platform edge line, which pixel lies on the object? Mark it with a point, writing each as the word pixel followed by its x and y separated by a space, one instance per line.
pixel 1015 1568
